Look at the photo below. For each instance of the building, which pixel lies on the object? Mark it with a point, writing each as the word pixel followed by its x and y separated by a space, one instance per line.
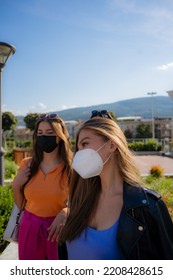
pixel 72 127
pixel 163 126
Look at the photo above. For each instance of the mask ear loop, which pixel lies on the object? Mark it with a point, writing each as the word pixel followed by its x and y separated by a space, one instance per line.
pixel 107 159
pixel 101 146
pixel 108 156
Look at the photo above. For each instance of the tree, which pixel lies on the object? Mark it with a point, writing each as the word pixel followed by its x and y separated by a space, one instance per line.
pixel 128 133
pixel 143 131
pixel 30 120
pixel 9 121
pixel 113 116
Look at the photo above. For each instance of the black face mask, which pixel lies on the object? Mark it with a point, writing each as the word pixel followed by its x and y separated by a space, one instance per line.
pixel 47 143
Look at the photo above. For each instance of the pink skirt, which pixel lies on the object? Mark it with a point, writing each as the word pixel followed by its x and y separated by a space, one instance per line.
pixel 33 243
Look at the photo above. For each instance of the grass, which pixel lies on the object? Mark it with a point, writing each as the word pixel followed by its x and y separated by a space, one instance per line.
pixel 164 186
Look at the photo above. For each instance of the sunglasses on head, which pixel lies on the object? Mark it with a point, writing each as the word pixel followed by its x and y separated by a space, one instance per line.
pixel 102 113
pixel 51 117
pixel 47 116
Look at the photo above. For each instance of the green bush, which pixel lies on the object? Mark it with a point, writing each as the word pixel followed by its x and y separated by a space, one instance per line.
pixel 72 144
pixel 151 145
pixel 9 154
pixel 10 144
pixel 136 146
pixel 24 143
pixel 6 202
pixel 10 168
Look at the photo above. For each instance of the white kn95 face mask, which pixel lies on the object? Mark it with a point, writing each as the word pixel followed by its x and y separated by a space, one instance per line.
pixel 88 163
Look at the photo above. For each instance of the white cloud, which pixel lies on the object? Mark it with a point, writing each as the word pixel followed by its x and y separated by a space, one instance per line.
pixel 52 110
pixel 155 20
pixel 42 105
pixel 165 67
pixel 65 107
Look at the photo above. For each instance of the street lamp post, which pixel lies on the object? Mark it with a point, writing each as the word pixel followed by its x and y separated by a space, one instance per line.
pixel 152 113
pixel 6 51
pixel 170 93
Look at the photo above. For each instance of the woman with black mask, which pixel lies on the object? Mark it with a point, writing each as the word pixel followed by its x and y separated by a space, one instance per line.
pixel 43 181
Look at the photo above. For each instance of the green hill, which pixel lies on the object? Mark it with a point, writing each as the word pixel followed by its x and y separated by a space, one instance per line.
pixel 162 107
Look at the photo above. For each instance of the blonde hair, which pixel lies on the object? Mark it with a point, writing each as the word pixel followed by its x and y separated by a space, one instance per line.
pixel 109 130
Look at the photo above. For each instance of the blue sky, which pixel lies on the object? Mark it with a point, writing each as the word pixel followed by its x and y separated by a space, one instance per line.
pixel 73 53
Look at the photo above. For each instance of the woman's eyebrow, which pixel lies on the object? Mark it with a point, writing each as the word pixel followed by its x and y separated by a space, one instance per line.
pixel 47 130
pixel 83 139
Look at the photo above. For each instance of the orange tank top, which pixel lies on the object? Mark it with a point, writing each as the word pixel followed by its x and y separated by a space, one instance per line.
pixel 46 195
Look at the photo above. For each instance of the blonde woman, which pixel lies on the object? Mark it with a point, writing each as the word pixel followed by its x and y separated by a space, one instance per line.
pixel 45 178
pixel 111 215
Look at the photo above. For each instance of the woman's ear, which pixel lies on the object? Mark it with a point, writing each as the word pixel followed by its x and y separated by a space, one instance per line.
pixel 113 146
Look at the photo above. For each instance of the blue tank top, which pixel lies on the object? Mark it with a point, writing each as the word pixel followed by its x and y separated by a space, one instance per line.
pixel 95 244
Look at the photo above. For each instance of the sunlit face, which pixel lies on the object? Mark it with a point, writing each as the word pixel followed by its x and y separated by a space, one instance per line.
pixel 89 140
pixel 44 128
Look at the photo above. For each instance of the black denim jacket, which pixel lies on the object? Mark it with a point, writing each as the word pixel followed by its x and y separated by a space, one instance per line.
pixel 145 230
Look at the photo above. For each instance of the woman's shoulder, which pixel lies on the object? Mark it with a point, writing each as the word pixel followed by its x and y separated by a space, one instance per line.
pixel 138 196
pixel 152 193
pixel 143 190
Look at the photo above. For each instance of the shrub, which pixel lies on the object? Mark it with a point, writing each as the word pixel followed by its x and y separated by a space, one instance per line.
pixel 136 146
pixel 10 168
pixel 24 143
pixel 156 171
pixel 72 144
pixel 151 145
pixel 6 202
pixel 9 155
pixel 10 144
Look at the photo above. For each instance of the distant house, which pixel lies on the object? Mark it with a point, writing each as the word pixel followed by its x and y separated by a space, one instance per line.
pixel 23 133
pixel 163 127
pixel 72 126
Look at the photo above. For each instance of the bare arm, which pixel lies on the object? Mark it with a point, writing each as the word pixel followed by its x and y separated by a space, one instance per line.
pixel 20 179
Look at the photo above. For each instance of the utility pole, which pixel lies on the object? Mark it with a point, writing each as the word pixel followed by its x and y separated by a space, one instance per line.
pixel 152 113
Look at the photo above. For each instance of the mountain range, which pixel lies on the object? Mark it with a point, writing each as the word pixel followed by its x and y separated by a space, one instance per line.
pixel 162 106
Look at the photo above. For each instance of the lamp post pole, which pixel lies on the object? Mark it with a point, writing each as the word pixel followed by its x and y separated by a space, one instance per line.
pixel 152 113
pixel 1 149
pixel 170 93
pixel 6 51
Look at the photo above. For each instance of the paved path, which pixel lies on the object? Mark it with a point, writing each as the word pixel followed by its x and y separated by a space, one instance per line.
pixel 10 253
pixel 144 163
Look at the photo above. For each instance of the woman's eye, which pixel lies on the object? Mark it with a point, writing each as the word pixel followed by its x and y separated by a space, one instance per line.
pixel 84 144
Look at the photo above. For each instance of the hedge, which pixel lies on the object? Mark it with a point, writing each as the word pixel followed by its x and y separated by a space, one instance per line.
pixel 6 202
